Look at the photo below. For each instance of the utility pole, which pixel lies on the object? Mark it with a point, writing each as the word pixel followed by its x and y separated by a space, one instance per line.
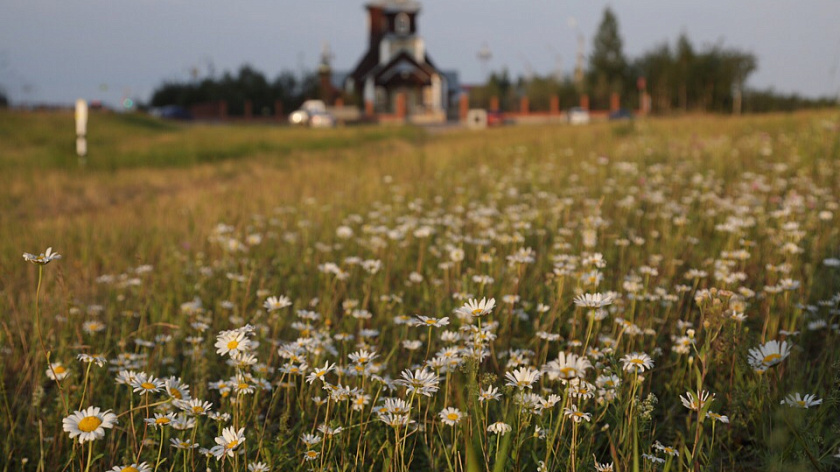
pixel 579 62
pixel 484 55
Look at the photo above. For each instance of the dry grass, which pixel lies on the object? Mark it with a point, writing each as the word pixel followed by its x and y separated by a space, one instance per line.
pixel 152 192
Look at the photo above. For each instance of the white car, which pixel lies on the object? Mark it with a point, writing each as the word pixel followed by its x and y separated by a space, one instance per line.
pixel 312 113
pixel 577 116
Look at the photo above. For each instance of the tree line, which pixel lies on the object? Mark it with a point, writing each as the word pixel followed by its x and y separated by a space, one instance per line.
pixel 288 88
pixel 677 77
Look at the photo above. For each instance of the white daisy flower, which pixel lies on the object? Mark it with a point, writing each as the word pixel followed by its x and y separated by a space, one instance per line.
pixel 499 428
pixel 144 384
pixel 451 416
pixel 769 354
pixel 695 401
pixel 227 442
pixel 277 303
pixel 477 308
pixel 319 373
pixel 637 362
pixel 576 415
pixel 56 371
pixel 430 322
pixel 593 300
pixel 43 259
pixel 232 342
pixel 89 424
pixel 521 378
pixel 796 400
pixel 135 467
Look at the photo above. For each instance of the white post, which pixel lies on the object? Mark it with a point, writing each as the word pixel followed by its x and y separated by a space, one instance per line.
pixel 81 128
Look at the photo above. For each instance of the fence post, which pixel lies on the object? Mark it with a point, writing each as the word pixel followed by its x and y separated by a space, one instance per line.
pixel 400 106
pixel 554 105
pixel 463 106
pixel 615 102
pixel 249 110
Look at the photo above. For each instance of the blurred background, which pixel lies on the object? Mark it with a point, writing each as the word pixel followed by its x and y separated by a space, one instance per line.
pixel 716 55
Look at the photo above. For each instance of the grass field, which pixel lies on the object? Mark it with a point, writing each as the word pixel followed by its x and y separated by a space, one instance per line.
pixel 664 295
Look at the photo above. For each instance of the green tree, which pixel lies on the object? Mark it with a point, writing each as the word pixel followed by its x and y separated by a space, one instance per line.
pixel 683 73
pixel 247 84
pixel 498 85
pixel 608 70
pixel 4 100
pixel 657 66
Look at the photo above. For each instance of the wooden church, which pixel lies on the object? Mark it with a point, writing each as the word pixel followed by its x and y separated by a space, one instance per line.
pixel 396 76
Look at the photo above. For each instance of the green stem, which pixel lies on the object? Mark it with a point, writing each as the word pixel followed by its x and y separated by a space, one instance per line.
pixel 41 338
pixel 90 455
pixel 85 383
pixel 160 447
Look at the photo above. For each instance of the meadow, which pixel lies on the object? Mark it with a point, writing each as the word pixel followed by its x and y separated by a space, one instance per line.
pixel 655 295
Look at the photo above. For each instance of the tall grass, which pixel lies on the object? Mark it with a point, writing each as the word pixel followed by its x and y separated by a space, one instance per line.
pixel 706 237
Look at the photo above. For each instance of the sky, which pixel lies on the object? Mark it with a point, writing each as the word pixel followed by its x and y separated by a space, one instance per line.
pixel 55 51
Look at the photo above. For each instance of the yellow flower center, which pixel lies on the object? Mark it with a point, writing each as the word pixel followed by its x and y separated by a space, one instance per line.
pixel 175 394
pixel 801 403
pixel 637 361
pixel 430 322
pixel 162 420
pixel 477 311
pixel 567 370
pixel 89 423
pixel 198 409
pixel 312 454
pixel 231 345
pixel 232 444
pixel 243 386
pixel 129 469
pixel 148 385
pixel 772 357
pixel 452 417
pixel 59 370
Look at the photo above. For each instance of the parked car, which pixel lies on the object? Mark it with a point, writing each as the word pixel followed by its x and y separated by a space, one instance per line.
pixel 577 116
pixel 621 114
pixel 171 112
pixel 495 118
pixel 312 113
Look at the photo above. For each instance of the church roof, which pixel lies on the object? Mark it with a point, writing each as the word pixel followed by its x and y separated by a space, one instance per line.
pixel 395 5
pixel 403 64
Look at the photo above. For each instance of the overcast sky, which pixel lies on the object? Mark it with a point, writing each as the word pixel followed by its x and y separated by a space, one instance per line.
pixel 60 50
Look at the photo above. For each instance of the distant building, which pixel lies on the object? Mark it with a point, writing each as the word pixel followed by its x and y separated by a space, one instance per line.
pixel 396 74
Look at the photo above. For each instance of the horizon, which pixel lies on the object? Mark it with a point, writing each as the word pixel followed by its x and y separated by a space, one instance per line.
pixel 55 53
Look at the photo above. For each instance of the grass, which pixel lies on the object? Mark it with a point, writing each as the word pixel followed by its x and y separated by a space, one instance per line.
pixel 695 219
pixel 128 141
